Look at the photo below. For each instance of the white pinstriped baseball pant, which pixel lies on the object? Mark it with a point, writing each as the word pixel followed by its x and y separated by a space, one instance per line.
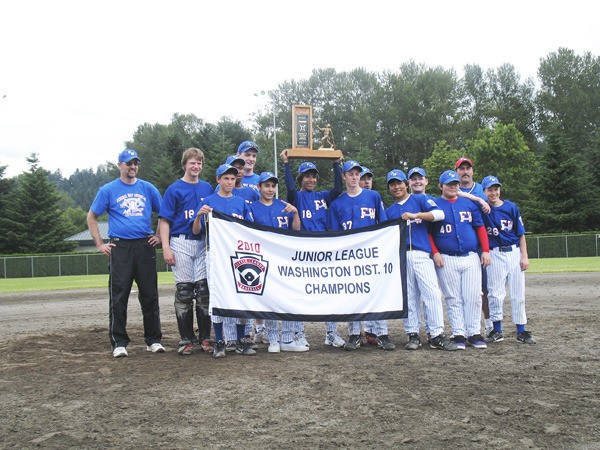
pixel 506 269
pixel 422 283
pixel 460 280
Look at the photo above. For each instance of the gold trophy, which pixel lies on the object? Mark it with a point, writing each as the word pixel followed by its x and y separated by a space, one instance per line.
pixel 302 137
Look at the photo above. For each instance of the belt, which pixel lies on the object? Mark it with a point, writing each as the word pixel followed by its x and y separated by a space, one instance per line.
pixel 456 254
pixel 189 237
pixel 129 240
pixel 505 248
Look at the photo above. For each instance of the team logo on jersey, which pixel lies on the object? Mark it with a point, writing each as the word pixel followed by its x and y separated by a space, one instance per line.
pixel 250 272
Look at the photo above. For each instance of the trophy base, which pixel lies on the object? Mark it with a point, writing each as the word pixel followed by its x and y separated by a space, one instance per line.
pixel 307 153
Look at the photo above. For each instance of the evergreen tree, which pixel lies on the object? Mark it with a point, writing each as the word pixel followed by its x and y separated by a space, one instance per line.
pixel 32 221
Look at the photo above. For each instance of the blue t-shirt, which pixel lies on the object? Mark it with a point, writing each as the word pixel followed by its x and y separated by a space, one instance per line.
pixel 476 189
pixel 180 203
pixel 456 233
pixel 247 193
pixel 272 215
pixel 504 225
pixel 129 208
pixel 346 213
pixel 417 235
pixel 251 181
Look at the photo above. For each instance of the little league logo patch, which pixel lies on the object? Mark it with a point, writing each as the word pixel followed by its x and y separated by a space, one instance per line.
pixel 249 272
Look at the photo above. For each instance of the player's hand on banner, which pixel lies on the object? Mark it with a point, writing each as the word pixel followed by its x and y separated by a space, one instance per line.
pixel 486 260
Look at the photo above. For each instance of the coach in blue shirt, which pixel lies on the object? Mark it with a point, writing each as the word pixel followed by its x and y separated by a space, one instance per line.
pixel 129 203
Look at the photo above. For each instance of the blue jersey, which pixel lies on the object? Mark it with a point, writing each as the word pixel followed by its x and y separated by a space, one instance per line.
pixel 129 208
pixel 312 205
pixel 247 193
pixel 417 237
pixel 272 215
pixel 504 225
pixel 347 212
pixel 455 235
pixel 233 206
pixel 251 181
pixel 476 189
pixel 180 203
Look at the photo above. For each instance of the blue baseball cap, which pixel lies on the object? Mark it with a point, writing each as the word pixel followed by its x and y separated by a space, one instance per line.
pixel 306 166
pixel 366 171
pixel 234 158
pixel 127 155
pixel 349 165
pixel 449 176
pixel 247 145
pixel 489 181
pixel 395 175
pixel 226 168
pixel 267 176
pixel 418 170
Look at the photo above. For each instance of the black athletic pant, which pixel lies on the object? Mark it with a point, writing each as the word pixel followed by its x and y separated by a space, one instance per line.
pixel 133 259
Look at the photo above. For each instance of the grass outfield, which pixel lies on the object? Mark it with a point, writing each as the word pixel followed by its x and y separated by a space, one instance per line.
pixel 546 265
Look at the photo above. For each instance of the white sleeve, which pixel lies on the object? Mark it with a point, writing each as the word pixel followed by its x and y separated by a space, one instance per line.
pixel 438 215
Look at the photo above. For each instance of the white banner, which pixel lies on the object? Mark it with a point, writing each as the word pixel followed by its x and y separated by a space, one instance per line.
pixel 263 272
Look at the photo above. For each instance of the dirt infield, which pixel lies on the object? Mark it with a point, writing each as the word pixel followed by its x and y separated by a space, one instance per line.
pixel 61 388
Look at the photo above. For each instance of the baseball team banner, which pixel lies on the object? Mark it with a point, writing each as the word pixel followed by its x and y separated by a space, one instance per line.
pixel 262 272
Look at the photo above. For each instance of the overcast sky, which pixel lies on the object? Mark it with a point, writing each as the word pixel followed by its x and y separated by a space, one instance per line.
pixel 80 76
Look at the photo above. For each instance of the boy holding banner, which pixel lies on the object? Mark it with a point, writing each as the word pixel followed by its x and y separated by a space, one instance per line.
pixel 225 202
pixel 358 208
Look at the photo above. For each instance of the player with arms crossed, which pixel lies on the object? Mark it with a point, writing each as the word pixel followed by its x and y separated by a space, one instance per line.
pixel 312 207
pixel 272 212
pixel 358 208
pixel 225 202
pixel 454 245
pixel 508 250
pixel 185 252
pixel 421 281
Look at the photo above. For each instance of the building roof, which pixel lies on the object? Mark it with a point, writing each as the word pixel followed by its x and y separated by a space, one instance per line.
pixel 85 235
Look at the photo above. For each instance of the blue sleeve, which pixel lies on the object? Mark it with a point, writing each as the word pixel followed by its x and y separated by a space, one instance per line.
pixel 337 181
pixel 289 183
pixel 332 222
pixel 248 213
pixel 100 203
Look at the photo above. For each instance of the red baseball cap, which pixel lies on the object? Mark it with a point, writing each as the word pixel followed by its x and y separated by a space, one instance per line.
pixel 463 160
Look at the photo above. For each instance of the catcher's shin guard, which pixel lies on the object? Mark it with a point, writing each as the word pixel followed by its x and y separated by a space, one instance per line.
pixel 202 299
pixel 184 304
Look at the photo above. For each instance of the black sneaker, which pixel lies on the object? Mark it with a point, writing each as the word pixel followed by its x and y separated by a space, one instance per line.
pixel 441 343
pixel 459 341
pixel 494 336
pixel 353 342
pixel 244 347
pixel 219 351
pixel 525 338
pixel 414 341
pixel 385 343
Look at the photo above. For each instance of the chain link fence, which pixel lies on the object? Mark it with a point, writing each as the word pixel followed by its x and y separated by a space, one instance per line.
pixel 563 246
pixel 61 265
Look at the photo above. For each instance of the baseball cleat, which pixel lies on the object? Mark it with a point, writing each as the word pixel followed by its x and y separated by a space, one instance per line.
pixel 353 342
pixel 244 347
pixel 414 342
pixel 459 341
pixel 293 347
pixel 494 336
pixel 334 340
pixel 476 341
pixel 206 346
pixel 371 338
pixel 219 351
pixel 525 338
pixel 385 343
pixel 442 343
pixel 274 347
pixel 185 349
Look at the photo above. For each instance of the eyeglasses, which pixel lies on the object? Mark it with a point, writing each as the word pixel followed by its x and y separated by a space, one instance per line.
pixel 132 163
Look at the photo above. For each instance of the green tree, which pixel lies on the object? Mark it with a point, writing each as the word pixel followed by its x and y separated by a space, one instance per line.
pixel 32 222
